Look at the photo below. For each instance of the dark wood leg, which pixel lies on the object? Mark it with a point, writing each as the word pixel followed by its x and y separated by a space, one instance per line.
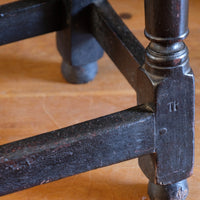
pixel 169 88
pixel 79 74
pixel 78 48
pixel 176 191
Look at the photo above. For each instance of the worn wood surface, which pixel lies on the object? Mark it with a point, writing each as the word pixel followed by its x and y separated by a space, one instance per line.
pixel 34 98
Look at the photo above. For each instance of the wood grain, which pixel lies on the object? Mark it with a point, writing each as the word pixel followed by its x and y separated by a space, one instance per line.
pixel 34 98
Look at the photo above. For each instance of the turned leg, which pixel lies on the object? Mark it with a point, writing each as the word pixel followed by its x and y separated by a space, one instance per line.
pixel 168 88
pixel 78 48
pixel 176 191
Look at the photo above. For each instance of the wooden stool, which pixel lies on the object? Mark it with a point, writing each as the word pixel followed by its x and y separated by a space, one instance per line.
pixel 160 130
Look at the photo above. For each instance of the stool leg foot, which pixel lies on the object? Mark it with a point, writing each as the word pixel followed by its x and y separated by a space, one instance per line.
pixel 79 74
pixel 177 191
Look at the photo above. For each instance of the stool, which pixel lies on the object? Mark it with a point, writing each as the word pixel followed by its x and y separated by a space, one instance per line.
pixel 159 131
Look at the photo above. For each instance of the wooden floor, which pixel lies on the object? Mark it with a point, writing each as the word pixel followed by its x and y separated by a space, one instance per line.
pixel 34 98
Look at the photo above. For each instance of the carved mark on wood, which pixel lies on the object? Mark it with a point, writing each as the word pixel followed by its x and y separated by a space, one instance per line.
pixel 173 106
